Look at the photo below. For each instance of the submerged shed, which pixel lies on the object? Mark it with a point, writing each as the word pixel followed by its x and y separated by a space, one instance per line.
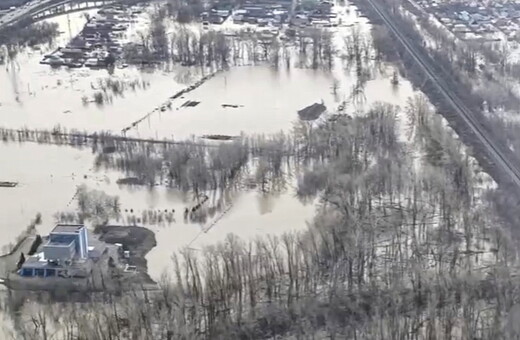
pixel 312 112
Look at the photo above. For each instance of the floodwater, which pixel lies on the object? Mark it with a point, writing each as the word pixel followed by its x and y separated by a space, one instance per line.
pixel 251 215
pixel 37 96
pixel 48 176
pixel 267 100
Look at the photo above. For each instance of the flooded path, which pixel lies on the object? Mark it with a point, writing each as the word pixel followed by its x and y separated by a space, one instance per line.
pixel 169 102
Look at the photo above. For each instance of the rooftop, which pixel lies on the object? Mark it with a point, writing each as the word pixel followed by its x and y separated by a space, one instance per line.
pixel 38 261
pixel 312 112
pixel 67 228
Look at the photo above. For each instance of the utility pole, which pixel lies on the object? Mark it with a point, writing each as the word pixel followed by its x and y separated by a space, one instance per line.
pixel 68 24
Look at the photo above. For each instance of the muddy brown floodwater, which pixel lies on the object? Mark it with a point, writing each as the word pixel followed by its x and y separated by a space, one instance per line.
pixel 262 99
pixel 39 96
pixel 48 176
pixel 267 100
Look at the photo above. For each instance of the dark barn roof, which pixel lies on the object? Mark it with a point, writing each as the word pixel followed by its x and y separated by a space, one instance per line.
pixel 312 112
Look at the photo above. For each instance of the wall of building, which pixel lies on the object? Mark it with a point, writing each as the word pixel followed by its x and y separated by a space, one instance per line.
pixel 60 252
pixel 80 238
pixel 83 240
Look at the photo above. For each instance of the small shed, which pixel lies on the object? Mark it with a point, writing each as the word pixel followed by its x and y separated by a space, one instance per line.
pixel 312 112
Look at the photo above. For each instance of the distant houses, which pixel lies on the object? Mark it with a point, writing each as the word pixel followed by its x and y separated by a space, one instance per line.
pixel 272 12
pixel 99 43
pixel 263 12
pixel 477 20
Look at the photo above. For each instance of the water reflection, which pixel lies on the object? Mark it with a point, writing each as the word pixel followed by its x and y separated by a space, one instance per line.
pixel 49 175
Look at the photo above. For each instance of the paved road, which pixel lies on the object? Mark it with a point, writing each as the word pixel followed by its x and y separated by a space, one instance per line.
pixel 495 152
pixel 22 11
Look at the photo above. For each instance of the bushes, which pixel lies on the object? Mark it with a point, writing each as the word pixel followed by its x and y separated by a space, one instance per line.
pixel 34 246
pixel 39 33
pixel 393 241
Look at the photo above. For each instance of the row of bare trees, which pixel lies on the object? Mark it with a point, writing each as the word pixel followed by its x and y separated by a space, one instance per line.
pixel 16 37
pixel 483 73
pixel 193 46
pixel 404 246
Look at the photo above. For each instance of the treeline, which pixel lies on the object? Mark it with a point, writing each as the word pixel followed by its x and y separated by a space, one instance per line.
pixel 98 141
pixel 93 206
pixel 193 167
pixel 59 136
pixel 453 77
pixel 314 48
pixel 190 166
pixel 403 246
pixel 21 35
pixel 185 11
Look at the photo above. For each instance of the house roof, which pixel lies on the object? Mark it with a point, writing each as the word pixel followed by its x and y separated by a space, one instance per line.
pixel 312 112
pixel 67 228
pixel 36 263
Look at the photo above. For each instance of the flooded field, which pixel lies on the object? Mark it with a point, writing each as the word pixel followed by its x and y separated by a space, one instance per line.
pixel 374 197
pixel 246 99
pixel 268 105
pixel 252 214
pixel 39 96
pixel 48 177
pixel 42 97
